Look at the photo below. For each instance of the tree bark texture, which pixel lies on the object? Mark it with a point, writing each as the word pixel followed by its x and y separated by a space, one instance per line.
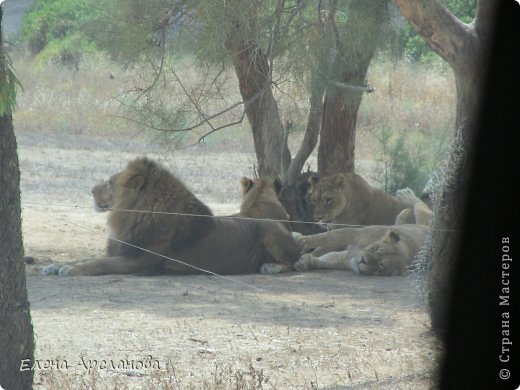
pixel 16 332
pixel 464 47
pixel 252 70
pixel 355 49
pixel 16 336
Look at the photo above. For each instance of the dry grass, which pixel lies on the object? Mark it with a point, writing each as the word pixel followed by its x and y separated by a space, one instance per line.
pixel 409 98
pixel 57 99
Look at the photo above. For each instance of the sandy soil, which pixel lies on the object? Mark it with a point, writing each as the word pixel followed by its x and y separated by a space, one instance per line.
pixel 320 329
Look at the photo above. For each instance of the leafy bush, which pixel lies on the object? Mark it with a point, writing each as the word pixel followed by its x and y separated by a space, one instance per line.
pixel 55 29
pixel 407 160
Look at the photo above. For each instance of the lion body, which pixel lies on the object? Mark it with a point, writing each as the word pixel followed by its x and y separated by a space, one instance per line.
pixel 168 222
pixel 417 211
pixel 371 250
pixel 348 199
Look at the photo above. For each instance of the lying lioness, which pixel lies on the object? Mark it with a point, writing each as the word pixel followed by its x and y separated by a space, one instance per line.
pixel 371 250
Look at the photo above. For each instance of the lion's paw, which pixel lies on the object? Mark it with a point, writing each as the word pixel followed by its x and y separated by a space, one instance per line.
pixel 67 270
pixel 302 243
pixel 407 197
pixel 57 269
pixel 51 269
pixel 355 265
pixel 296 235
pixel 304 263
pixel 273 268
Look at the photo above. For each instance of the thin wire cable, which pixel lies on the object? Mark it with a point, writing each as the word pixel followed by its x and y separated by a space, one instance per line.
pixel 325 225
pixel 183 263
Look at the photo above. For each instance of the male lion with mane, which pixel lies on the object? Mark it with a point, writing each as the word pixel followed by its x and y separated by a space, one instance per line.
pixel 169 220
pixel 371 250
pixel 346 198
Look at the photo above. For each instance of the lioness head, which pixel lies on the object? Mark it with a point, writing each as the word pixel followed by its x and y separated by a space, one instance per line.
pixel 330 195
pixel 260 199
pixel 247 184
pixel 383 257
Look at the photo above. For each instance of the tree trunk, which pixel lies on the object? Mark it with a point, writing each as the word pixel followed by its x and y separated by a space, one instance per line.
pixel 295 183
pixel 16 336
pixel 252 70
pixel 341 74
pixel 355 50
pixel 464 47
pixel 338 132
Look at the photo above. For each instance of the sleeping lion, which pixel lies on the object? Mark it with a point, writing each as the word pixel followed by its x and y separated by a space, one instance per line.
pixel 371 250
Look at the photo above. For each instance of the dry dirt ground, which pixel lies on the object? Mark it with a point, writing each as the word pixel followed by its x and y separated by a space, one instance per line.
pixel 321 329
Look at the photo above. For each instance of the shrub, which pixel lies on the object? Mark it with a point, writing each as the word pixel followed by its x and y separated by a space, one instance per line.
pixel 54 29
pixel 407 160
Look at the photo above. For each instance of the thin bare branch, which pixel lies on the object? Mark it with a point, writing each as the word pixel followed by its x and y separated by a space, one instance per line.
pixel 160 41
pixel 295 9
pixel 189 128
pixel 213 130
pixel 193 102
pixel 359 88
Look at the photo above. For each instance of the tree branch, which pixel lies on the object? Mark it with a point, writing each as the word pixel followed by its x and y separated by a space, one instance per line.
pixel 193 102
pixel 358 88
pixel 295 9
pixel 314 119
pixel 311 132
pixel 213 130
pixel 437 25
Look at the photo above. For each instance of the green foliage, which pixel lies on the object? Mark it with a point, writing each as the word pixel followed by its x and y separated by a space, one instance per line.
pixel 132 27
pixel 409 159
pixel 67 51
pixel 8 84
pixel 56 29
pixel 415 47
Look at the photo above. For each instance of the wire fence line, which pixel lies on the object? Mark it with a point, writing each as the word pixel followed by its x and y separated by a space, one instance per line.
pixel 189 215
pixel 325 225
pixel 223 277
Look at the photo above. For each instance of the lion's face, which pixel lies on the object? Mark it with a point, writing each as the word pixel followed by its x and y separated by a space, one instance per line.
pixel 104 194
pixel 329 195
pixel 107 194
pixel 260 199
pixel 382 257
pixel 247 185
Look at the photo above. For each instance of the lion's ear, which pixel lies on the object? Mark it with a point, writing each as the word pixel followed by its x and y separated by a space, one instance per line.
pixel 392 236
pixel 277 184
pixel 313 180
pixel 245 184
pixel 136 182
pixel 338 180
